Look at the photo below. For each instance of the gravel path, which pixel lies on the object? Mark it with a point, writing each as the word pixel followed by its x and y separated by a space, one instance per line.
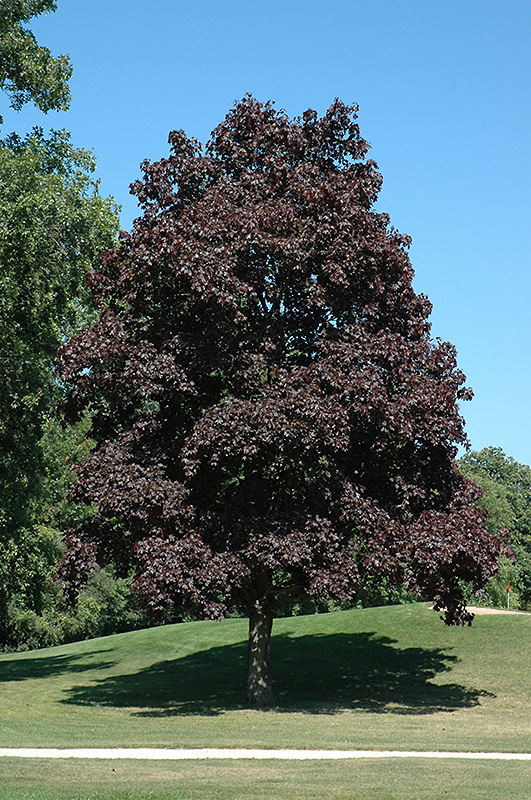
pixel 227 753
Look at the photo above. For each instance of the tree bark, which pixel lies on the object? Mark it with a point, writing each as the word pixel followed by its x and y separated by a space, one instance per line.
pixel 259 686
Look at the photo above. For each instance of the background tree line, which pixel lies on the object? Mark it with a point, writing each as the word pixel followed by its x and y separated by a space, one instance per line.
pixel 506 487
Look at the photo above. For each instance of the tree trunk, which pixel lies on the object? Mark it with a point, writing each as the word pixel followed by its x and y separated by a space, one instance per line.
pixel 259 686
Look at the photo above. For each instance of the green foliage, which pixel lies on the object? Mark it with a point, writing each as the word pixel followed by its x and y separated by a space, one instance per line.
pixel 53 224
pixel 62 448
pixel 497 587
pixel 104 606
pixel 26 569
pixel 506 486
pixel 28 71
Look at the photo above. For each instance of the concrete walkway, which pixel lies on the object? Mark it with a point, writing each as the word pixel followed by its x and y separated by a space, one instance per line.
pixel 228 753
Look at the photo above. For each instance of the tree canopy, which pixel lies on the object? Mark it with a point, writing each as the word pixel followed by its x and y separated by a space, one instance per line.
pixel 53 225
pixel 28 71
pixel 272 417
pixel 506 487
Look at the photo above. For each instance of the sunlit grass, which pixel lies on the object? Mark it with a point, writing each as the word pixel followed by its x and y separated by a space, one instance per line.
pixel 385 678
pixel 247 780
pixel 382 677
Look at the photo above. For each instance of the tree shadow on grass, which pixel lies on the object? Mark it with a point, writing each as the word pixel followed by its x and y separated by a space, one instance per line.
pixel 314 674
pixel 20 669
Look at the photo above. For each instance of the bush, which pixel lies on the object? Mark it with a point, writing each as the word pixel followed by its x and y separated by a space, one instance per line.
pixel 105 606
pixel 27 630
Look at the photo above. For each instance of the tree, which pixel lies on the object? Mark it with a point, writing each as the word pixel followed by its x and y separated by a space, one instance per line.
pixel 28 71
pixel 53 225
pixel 272 418
pixel 506 487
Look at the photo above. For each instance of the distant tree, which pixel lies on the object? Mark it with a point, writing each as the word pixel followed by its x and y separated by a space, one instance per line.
pixel 28 71
pixel 506 487
pixel 272 418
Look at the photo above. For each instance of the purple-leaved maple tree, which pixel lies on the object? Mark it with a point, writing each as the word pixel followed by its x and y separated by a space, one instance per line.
pixel 272 417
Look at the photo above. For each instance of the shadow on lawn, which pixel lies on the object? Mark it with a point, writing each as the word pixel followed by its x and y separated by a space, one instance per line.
pixel 20 669
pixel 314 674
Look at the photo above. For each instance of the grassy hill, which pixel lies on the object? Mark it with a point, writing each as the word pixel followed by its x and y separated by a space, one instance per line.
pixel 384 678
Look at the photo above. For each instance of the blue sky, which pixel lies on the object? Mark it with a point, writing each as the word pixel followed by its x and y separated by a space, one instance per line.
pixel 444 89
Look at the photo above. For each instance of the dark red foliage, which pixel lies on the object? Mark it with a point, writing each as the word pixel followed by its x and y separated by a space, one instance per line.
pixel 77 564
pixel 272 416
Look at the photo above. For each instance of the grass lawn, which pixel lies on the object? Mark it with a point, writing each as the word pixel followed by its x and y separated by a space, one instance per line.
pixel 385 678
pixel 271 780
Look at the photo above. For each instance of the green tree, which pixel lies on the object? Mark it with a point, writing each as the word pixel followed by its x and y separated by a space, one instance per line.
pixel 28 71
pixel 53 225
pixel 61 450
pixel 506 486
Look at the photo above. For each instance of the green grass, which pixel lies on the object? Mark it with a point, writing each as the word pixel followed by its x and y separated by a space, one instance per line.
pixel 385 678
pixel 245 780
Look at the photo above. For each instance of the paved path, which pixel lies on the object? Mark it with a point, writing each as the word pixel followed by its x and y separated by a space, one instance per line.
pixel 299 755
